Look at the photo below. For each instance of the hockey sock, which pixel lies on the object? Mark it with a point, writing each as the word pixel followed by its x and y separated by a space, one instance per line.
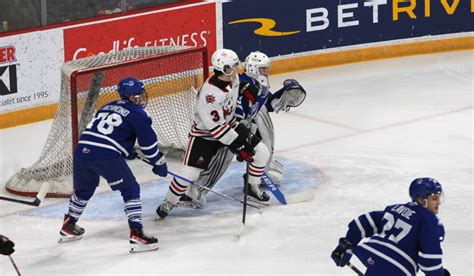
pixel 176 190
pixel 133 210
pixel 76 207
pixel 255 173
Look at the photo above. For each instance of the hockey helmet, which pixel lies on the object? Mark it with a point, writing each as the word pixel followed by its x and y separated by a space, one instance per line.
pixel 225 61
pixel 253 62
pixel 424 187
pixel 129 87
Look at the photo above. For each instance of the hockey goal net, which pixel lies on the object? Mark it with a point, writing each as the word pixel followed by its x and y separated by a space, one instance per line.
pixel 170 74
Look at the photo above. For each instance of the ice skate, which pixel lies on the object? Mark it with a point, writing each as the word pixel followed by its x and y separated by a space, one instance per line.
pixel 198 198
pixel 164 209
pixel 70 231
pixel 186 202
pixel 139 242
pixel 256 194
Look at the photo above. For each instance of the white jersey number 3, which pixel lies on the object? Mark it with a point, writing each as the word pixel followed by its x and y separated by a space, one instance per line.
pixel 107 122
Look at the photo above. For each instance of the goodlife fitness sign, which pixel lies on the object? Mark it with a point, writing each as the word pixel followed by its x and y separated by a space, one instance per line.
pixel 190 26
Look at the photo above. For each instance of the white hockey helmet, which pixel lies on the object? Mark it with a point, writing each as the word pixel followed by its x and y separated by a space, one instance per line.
pixel 253 62
pixel 225 61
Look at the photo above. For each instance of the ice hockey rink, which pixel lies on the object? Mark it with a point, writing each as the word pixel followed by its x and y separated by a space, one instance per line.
pixel 365 131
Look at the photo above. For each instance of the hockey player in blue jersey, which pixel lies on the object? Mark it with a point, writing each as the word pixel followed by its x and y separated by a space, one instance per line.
pixel 101 151
pixel 401 239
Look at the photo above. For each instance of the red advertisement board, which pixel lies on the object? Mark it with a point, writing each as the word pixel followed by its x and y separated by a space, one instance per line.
pixel 190 26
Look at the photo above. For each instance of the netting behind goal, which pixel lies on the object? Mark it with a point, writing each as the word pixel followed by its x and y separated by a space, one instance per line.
pixel 170 74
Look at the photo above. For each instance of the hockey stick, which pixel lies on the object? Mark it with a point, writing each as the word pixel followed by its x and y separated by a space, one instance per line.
pixel 355 269
pixel 36 202
pixel 216 192
pixel 204 187
pixel 267 182
pixel 246 190
pixel 14 265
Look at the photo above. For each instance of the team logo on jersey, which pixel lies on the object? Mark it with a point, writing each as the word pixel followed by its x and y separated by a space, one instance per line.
pixel 228 107
pixel 210 99
pixel 370 261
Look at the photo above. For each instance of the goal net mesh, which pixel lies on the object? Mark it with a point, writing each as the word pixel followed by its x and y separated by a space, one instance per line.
pixel 171 76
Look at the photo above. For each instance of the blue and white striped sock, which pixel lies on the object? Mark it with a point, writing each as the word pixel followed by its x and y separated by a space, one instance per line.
pixel 76 207
pixel 133 210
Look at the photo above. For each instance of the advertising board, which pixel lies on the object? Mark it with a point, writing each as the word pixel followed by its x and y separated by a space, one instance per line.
pixel 286 27
pixel 190 26
pixel 30 69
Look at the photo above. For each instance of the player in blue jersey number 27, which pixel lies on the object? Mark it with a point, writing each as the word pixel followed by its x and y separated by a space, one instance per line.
pixel 401 239
pixel 101 151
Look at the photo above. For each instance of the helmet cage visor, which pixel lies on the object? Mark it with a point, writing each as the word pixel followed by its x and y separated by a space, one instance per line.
pixel 140 99
pixel 230 69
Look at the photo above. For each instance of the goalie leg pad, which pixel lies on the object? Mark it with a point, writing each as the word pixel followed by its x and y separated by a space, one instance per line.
pixel 275 171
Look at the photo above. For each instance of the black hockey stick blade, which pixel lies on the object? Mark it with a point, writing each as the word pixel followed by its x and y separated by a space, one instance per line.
pixel 355 269
pixel 36 202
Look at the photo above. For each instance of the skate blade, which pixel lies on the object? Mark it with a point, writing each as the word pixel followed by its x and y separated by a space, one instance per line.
pixel 63 239
pixel 266 203
pixel 138 247
pixel 158 218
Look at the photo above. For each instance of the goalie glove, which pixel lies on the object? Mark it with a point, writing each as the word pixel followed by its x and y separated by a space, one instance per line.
pixel 291 95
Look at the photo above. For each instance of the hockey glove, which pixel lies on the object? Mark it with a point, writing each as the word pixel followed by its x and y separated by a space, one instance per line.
pixel 244 152
pixel 160 168
pixel 248 91
pixel 6 246
pixel 240 146
pixel 254 140
pixel 343 252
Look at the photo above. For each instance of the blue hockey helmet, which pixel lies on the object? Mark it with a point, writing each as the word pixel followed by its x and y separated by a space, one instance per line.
pixel 424 187
pixel 128 87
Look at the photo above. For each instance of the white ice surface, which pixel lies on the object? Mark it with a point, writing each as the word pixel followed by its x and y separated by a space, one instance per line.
pixel 363 133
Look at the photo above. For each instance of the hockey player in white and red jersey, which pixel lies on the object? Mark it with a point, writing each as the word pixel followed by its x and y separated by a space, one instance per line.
pixel 215 128
pixel 292 94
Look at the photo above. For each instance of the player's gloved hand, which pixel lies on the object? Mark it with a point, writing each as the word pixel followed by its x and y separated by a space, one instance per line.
pixel 160 168
pixel 240 146
pixel 249 147
pixel 245 152
pixel 343 252
pixel 248 91
pixel 446 272
pixel 6 246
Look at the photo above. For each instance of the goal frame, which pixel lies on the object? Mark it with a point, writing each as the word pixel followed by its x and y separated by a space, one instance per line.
pixel 78 73
pixel 37 175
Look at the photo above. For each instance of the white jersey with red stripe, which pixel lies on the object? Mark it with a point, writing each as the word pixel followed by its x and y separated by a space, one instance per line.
pixel 214 115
